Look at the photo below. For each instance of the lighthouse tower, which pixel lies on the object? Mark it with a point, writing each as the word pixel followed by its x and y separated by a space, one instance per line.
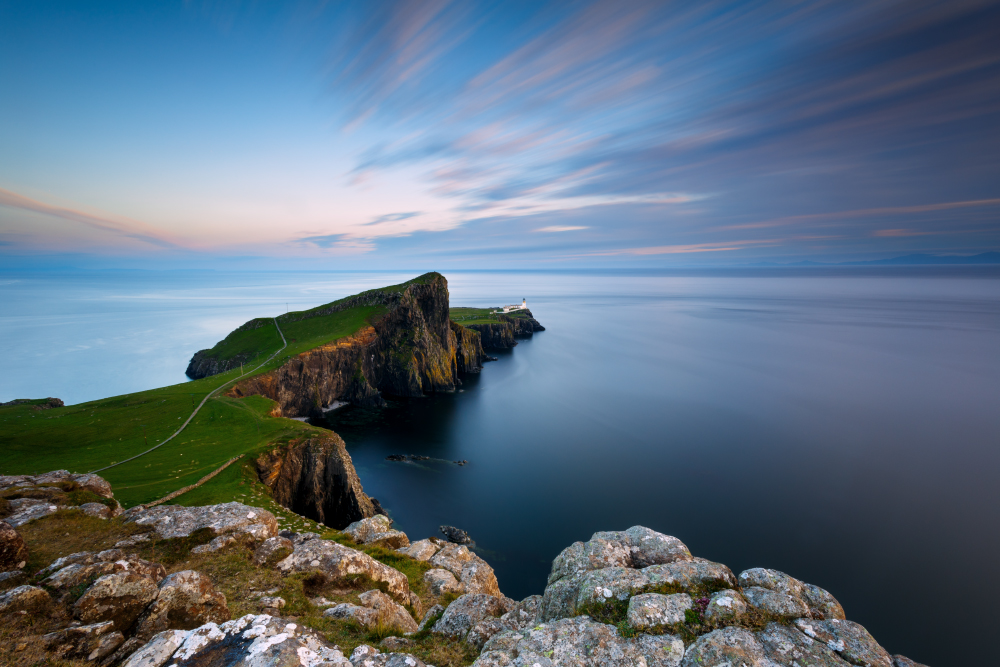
pixel 524 304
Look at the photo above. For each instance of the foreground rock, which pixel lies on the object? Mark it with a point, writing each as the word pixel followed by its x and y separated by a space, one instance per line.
pixel 466 612
pixel 118 597
pixel 377 610
pixel 170 521
pixel 85 642
pixel 258 641
pixel 581 641
pixel 185 600
pixel 28 599
pixel 790 597
pixel 470 572
pixel 42 495
pixel 336 561
pixel 377 530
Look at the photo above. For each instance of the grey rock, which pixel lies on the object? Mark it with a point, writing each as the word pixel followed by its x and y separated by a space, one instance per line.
pixel 465 612
pixel 726 606
pixel 653 610
pixel 850 640
pixel 217 544
pixel 579 642
pixel 171 521
pixel 121 654
pixel 452 557
pixel 481 632
pixel 132 541
pixel 158 651
pixel 456 535
pixel 71 576
pixel 390 613
pixel 24 510
pixel 275 603
pixel 421 550
pixel 12 576
pixel 776 604
pixel 337 561
pixel 609 584
pixel 84 642
pixel 727 646
pixel 13 551
pixel 441 582
pixel 345 611
pixel 647 547
pixel 790 648
pixel 431 616
pixel 820 603
pixel 377 530
pixel 362 652
pixel 29 599
pixel 581 557
pixel 692 576
pixel 118 597
pixel 82 557
pixel 256 641
pixel 395 644
pixel 478 577
pixel 272 550
pixel 903 661
pixel 185 600
pixel 99 510
pixel 89 481
pixel 524 614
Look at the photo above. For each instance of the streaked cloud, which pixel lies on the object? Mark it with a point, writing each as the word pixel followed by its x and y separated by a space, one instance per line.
pixel 560 228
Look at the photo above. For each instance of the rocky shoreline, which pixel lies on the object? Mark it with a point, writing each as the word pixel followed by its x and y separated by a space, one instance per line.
pixel 635 598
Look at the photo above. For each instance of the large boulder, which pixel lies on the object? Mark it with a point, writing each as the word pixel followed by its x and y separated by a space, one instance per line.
pixel 185 600
pixel 85 642
pixel 88 481
pixel 776 604
pixel 158 651
pixel 820 604
pixel 81 568
pixel 336 561
pixel 30 599
pixel 25 510
pixel 377 530
pixel 441 582
pixel 13 552
pixel 580 641
pixel 171 521
pixel 725 607
pixel 118 597
pixel 377 610
pixel 465 612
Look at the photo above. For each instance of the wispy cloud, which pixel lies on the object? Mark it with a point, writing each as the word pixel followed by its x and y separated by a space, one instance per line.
pixel 119 226
pixel 560 228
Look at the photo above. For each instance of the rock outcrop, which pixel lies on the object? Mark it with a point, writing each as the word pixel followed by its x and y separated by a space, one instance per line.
pixel 316 478
pixel 171 521
pixel 377 530
pixel 376 611
pixel 13 552
pixel 500 335
pixel 471 573
pixel 31 497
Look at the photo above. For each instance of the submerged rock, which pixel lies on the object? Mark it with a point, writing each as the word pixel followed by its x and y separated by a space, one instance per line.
pixel 456 535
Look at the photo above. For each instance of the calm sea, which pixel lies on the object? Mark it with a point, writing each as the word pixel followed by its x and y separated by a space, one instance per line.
pixel 840 425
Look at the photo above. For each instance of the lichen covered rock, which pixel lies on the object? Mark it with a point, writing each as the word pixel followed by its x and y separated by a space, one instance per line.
pixel 185 600
pixel 337 561
pixel 118 597
pixel 171 521
pixel 13 552
pixel 377 530
pixel 653 610
pixel 465 612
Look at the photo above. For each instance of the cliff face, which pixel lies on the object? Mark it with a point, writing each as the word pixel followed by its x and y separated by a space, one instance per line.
pixel 500 335
pixel 412 350
pixel 316 478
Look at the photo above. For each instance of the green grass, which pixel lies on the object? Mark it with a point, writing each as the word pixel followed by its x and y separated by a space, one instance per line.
pixel 467 316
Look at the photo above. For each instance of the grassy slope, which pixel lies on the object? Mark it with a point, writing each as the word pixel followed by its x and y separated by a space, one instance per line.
pixel 92 435
pixel 467 316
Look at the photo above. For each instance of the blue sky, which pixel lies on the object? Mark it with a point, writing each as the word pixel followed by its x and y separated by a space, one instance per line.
pixel 496 134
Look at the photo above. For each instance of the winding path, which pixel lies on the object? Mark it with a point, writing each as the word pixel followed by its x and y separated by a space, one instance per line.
pixel 284 344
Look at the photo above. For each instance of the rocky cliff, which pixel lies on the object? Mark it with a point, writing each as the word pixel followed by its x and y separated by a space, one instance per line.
pixel 500 335
pixel 204 363
pixel 412 350
pixel 316 478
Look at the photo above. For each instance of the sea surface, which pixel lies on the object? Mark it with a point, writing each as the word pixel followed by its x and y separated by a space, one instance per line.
pixel 840 425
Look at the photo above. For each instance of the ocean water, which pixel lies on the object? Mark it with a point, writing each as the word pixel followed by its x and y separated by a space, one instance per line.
pixel 842 426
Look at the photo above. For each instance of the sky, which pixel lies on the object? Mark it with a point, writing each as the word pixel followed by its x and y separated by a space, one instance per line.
pixel 496 134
